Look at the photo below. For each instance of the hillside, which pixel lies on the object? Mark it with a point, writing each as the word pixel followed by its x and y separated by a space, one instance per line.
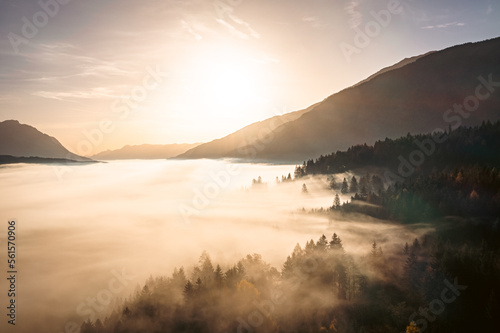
pixel 22 140
pixel 412 98
pixel 249 135
pixel 145 152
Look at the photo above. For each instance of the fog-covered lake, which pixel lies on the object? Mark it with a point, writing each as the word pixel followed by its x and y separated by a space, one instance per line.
pixel 89 234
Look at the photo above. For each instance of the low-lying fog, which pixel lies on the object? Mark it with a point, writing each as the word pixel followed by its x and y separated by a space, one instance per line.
pixel 79 228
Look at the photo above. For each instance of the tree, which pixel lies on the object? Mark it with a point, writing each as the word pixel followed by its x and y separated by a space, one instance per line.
pixel 310 246
pixel 336 201
pixel 336 243
pixel 374 251
pixel 304 189
pixel 126 312
pixel 412 328
pixel 364 184
pixel 297 251
pixel 188 290
pixel 288 268
pixel 354 185
pixel 345 187
pixel 322 243
pixel 218 277
pixel 333 184
pixel 87 327
pixel 377 184
pixel 406 249
pixel 416 246
pixel 99 327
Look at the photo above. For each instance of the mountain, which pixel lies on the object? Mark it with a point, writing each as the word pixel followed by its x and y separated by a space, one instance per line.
pixel 400 64
pixel 20 140
pixel 250 135
pixel 145 152
pixel 411 96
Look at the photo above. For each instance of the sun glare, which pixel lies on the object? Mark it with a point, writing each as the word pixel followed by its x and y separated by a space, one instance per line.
pixel 230 85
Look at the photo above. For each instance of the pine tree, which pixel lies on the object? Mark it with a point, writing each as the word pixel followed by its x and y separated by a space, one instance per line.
pixel 416 246
pixel 188 290
pixel 374 251
pixel 310 246
pixel 218 277
pixel 377 184
pixel 345 187
pixel 322 243
pixel 288 268
pixel 304 189
pixel 406 249
pixel 333 184
pixel 99 327
pixel 336 243
pixel 336 201
pixel 354 185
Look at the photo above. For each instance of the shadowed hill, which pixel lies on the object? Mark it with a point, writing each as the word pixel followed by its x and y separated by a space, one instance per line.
pixel 412 96
pixel 22 140
pixel 249 135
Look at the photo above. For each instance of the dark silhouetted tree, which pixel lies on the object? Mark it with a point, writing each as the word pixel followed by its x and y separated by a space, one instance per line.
pixel 336 201
pixel 354 185
pixel 345 187
pixel 336 243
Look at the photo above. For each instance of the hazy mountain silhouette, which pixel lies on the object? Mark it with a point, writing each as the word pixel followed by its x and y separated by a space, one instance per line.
pixel 411 96
pixel 249 135
pixel 22 140
pixel 145 151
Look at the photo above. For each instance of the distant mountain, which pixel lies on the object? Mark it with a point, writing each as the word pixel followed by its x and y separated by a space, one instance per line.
pixel 411 96
pixel 145 152
pixel 250 135
pixel 20 140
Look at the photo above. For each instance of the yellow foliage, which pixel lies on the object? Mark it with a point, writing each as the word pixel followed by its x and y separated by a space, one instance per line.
pixel 412 328
pixel 247 289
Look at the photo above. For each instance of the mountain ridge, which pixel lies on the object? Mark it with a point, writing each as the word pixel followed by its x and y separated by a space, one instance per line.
pixel 145 151
pixel 392 102
pixel 22 140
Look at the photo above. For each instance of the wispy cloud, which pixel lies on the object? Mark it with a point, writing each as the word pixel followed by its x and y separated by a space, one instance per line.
pixel 237 32
pixel 314 21
pixel 444 26
pixel 186 26
pixel 98 92
pixel 353 10
pixel 489 10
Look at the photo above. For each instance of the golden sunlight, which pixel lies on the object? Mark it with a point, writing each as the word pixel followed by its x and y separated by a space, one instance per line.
pixel 230 85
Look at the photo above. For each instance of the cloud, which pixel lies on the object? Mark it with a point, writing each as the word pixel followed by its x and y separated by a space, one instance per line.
pixel 444 26
pixel 489 10
pixel 188 27
pixel 314 21
pixel 98 92
pixel 355 16
pixel 237 32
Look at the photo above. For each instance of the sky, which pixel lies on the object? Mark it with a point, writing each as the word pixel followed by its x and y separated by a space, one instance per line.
pixel 117 72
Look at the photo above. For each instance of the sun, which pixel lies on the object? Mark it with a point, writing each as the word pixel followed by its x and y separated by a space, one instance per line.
pixel 217 90
pixel 230 85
